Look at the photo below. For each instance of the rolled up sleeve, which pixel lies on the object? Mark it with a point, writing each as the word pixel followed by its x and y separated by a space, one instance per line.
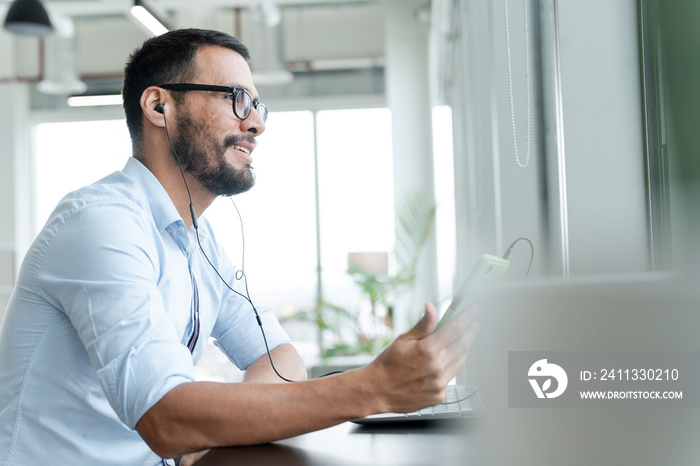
pixel 240 337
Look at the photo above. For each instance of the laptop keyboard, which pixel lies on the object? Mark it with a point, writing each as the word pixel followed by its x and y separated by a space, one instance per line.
pixel 451 408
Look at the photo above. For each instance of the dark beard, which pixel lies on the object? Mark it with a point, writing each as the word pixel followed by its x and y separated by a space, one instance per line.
pixel 205 159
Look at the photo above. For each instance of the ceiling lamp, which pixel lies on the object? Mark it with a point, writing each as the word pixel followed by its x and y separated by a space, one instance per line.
pixel 147 18
pixel 60 63
pixel 29 18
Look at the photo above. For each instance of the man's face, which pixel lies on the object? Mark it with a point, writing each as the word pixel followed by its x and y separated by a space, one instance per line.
pixel 213 145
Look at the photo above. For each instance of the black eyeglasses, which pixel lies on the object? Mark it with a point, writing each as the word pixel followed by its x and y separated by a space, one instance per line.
pixel 242 100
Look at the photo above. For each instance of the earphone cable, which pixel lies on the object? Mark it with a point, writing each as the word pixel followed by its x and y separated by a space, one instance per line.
pixel 532 252
pixel 240 274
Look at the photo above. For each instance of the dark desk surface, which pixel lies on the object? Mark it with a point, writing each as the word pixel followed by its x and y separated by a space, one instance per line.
pixel 350 444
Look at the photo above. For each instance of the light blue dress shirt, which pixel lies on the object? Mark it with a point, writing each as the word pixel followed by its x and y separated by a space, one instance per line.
pixel 95 330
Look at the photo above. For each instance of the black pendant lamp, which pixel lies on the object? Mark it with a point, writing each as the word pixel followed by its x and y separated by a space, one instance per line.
pixel 29 18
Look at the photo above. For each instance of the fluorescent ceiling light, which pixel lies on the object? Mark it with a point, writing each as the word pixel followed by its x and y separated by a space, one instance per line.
pixel 147 18
pixel 94 100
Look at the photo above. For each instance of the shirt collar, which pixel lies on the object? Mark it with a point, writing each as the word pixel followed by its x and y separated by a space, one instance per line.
pixel 162 207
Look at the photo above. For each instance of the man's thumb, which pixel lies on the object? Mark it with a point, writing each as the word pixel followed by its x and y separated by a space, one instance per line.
pixel 426 325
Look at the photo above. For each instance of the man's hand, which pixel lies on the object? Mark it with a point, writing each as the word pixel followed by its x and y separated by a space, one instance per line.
pixel 414 370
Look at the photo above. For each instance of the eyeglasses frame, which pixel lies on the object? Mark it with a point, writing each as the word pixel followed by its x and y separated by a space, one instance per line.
pixel 255 104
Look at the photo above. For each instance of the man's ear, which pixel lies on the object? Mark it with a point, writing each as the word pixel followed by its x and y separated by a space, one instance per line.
pixel 153 105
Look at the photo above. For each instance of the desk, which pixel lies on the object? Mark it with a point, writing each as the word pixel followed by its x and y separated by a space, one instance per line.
pixel 447 444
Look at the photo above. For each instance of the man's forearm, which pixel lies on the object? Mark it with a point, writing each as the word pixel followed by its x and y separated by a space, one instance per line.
pixel 199 415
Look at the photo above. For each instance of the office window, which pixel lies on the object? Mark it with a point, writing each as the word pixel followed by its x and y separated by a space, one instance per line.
pixel 69 155
pixel 356 191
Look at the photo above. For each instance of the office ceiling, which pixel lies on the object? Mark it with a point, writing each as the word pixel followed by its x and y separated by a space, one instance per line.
pixel 115 7
pixel 326 44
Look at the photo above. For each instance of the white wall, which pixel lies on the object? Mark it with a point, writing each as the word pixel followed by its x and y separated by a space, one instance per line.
pixel 591 219
pixel 601 95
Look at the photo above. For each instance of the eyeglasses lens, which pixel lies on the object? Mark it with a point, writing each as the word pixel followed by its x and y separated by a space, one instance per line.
pixel 262 111
pixel 242 105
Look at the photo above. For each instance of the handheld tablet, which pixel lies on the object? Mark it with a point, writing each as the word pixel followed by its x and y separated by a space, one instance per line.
pixel 487 269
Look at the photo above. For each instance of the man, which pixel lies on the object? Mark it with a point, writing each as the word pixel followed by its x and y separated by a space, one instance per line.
pixel 123 286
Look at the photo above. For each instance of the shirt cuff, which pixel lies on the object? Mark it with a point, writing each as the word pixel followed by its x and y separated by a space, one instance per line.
pixel 138 380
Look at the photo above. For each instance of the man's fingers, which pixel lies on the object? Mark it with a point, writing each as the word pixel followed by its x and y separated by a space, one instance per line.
pixel 453 369
pixel 425 326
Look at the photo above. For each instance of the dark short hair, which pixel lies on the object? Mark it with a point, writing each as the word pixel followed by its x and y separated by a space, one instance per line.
pixel 167 58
